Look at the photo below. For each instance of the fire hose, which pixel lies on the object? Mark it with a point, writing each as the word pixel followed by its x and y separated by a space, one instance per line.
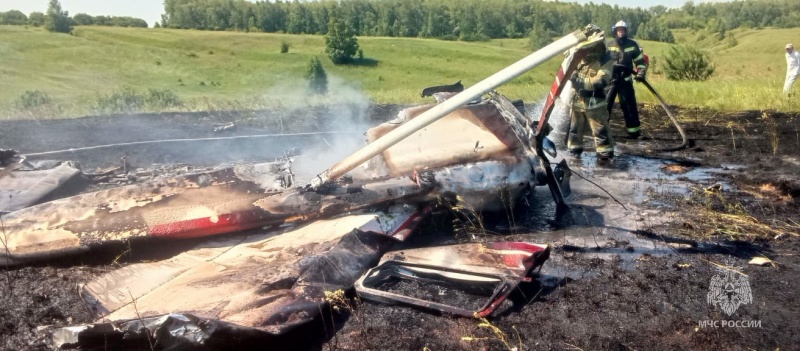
pixel 685 140
pixel 163 141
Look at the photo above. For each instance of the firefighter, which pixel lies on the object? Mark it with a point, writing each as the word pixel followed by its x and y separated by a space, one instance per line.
pixel 629 59
pixel 589 83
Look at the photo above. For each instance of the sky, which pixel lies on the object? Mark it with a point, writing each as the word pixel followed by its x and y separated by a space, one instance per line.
pixel 151 10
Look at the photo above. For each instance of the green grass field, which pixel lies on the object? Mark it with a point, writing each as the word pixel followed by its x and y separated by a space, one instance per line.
pixel 230 70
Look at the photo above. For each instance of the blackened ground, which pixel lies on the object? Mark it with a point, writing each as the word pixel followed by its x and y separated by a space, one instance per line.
pixel 658 305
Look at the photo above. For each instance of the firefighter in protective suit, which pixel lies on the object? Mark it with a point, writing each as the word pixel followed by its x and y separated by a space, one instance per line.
pixel 628 59
pixel 589 82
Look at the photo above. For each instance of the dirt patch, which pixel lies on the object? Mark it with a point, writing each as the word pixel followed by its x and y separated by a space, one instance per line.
pixel 749 208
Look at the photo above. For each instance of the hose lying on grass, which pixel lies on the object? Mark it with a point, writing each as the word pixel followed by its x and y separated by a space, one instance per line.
pixel 661 101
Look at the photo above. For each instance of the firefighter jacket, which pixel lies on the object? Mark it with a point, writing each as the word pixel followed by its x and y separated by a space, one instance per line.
pixel 626 52
pixel 590 83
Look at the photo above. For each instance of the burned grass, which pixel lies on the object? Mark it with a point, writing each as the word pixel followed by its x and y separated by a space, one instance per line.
pixel 710 213
pixel 755 195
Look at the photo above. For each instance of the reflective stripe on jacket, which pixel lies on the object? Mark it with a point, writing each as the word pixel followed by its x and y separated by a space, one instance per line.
pixel 626 52
pixel 590 85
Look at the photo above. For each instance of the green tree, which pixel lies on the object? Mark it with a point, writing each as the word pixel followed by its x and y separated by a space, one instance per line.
pixel 340 42
pixel 57 20
pixel 316 76
pixel 300 20
pixel 127 22
pixel 36 19
pixel 13 17
pixel 687 63
pixel 83 19
pixel 539 37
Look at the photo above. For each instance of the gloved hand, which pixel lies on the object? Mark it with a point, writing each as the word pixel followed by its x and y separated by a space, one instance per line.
pixel 574 78
pixel 639 75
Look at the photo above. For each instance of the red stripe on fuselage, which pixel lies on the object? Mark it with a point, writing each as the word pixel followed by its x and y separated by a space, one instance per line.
pixel 551 99
pixel 206 226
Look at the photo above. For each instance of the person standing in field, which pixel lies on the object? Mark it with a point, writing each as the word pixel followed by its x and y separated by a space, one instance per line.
pixel 589 83
pixel 629 59
pixel 792 67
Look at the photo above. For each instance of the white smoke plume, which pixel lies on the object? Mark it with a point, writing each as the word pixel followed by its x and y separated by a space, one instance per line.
pixel 346 110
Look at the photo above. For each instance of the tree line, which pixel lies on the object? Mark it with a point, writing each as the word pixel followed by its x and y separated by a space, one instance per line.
pixel 467 20
pixel 38 19
pixel 444 19
pixel 471 19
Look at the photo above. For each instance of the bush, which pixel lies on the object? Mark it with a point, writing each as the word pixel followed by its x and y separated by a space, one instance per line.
pixel 449 37
pixel 731 41
pixel 38 104
pixel 654 67
pixel 32 99
pixel 317 78
pixel 665 35
pixel 475 37
pixel 122 101
pixel 687 63
pixel 284 47
pixel 162 99
pixel 128 100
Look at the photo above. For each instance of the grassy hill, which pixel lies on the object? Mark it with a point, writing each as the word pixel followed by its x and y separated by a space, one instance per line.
pixel 217 70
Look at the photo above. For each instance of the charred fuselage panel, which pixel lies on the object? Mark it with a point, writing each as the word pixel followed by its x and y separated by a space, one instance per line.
pixel 486 161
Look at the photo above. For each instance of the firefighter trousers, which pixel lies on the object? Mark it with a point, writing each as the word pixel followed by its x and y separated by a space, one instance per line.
pixel 627 103
pixel 598 121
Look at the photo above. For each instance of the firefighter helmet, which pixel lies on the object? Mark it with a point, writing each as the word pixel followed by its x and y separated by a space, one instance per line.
pixel 617 26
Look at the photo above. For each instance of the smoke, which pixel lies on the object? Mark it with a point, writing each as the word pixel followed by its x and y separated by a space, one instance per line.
pixel 559 118
pixel 345 108
pixel 323 128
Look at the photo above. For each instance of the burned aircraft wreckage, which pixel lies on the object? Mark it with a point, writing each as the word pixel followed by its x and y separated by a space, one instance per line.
pixel 233 289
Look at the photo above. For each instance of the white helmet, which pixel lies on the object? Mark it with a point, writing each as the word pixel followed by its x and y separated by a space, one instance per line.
pixel 622 24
